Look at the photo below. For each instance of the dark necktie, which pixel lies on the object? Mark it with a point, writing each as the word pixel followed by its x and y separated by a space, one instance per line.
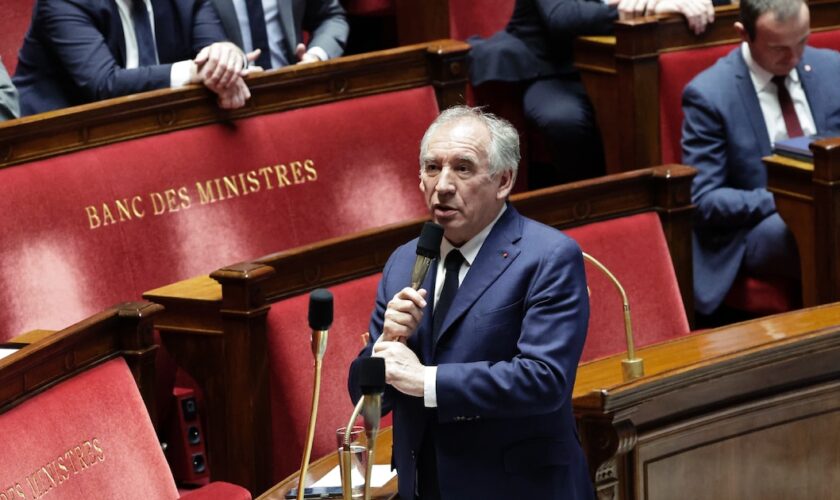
pixel 259 35
pixel 452 265
pixel 143 34
pixel 794 129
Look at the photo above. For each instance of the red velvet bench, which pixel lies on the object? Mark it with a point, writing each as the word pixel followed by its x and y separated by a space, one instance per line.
pixel 242 334
pixel 75 419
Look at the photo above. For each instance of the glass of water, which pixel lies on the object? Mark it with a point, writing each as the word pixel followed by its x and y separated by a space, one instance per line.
pixel 356 450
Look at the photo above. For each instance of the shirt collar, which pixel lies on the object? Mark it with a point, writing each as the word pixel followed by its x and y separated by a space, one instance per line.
pixel 470 249
pixel 760 76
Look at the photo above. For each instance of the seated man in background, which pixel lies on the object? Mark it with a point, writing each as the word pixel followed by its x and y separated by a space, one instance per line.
pixel 481 361
pixel 80 51
pixel 9 108
pixel 276 28
pixel 769 88
pixel 536 48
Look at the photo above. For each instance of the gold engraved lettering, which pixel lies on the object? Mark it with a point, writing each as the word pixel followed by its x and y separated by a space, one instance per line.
pixel 122 210
pixel 137 207
pixel 219 188
pixel 253 182
pixel 62 468
pixel 68 458
pixel 77 452
pixel 100 454
pixel 88 452
pixel 311 173
pixel 107 218
pixel 245 190
pixel 49 471
pixel 230 185
pixel 266 173
pixel 205 194
pixel 171 200
pixel 158 205
pixel 296 172
pixel 184 195
pixel 33 485
pixel 282 180
pixel 93 217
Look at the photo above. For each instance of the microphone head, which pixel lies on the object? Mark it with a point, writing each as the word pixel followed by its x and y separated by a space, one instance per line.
pixel 320 309
pixel 372 375
pixel 430 237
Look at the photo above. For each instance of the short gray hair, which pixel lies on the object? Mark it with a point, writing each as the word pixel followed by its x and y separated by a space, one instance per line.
pixel 751 10
pixel 503 153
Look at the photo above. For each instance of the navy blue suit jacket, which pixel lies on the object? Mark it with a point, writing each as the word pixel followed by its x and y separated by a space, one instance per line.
pixel 74 51
pixel 507 356
pixel 538 40
pixel 724 136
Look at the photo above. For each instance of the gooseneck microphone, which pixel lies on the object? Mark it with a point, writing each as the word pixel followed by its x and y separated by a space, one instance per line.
pixel 428 249
pixel 320 320
pixel 372 385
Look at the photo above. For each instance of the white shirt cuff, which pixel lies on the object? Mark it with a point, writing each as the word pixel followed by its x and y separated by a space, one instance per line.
pixel 180 74
pixel 430 387
pixel 318 52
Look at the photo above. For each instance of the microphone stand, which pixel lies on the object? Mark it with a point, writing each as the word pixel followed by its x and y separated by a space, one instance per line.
pixel 632 367
pixel 319 347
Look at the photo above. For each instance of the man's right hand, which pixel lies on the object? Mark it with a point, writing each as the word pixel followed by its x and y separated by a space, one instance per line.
pixel 404 313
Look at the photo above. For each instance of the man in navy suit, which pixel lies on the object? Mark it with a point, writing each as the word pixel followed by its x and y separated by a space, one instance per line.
pixel 734 112
pixel 481 384
pixel 80 51
pixel 280 37
pixel 535 48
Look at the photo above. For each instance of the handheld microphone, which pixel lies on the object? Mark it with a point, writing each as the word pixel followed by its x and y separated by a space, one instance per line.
pixel 320 320
pixel 428 249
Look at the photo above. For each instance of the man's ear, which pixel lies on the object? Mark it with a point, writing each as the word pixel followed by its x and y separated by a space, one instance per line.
pixel 505 179
pixel 742 32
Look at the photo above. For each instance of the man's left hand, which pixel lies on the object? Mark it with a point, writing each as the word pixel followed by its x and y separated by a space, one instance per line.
pixel 219 64
pixel 403 370
pixel 304 56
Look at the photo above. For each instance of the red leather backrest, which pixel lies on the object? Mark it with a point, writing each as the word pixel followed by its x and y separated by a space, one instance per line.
pixel 676 70
pixel 89 229
pixel 634 249
pixel 367 7
pixel 87 437
pixel 13 25
pixel 291 367
pixel 478 17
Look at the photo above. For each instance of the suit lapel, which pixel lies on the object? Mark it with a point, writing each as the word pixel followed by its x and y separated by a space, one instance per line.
pixel 496 254
pixel 811 87
pixel 227 14
pixel 287 26
pixel 749 99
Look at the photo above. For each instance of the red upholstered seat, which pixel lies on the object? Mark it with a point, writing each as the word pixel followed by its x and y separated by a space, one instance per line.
pixel 634 249
pixel 89 437
pixel 13 25
pixel 478 17
pixel 825 39
pixel 763 296
pixel 291 369
pixel 88 228
pixel 368 7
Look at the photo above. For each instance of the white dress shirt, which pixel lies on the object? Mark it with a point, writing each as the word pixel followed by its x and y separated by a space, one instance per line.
pixel 180 73
pixel 470 251
pixel 768 99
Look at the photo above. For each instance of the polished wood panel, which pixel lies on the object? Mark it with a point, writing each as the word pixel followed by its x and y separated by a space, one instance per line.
pixel 621 75
pixel 215 326
pixel 440 63
pixel 808 198
pixel 45 360
pixel 703 395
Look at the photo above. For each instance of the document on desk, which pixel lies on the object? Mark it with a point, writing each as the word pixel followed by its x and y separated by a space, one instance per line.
pixel 380 475
pixel 7 352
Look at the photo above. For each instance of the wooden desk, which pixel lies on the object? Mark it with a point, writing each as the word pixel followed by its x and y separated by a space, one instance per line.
pixel 807 197
pixel 746 411
pixel 320 467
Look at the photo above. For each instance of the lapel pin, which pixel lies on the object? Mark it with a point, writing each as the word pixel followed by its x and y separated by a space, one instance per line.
pixel 807 68
pixel 504 255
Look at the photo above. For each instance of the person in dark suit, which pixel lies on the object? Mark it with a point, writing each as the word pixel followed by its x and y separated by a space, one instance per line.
pixel 733 115
pixel 80 51
pixel 481 361
pixel 536 48
pixel 9 107
pixel 280 37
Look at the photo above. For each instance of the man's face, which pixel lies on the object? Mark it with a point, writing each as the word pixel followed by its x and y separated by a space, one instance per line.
pixel 456 182
pixel 778 46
